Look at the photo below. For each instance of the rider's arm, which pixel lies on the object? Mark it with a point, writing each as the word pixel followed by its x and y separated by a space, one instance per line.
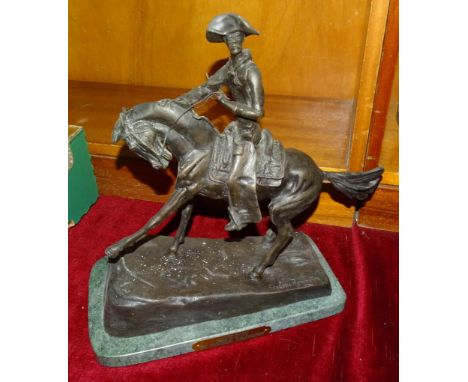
pixel 212 85
pixel 254 111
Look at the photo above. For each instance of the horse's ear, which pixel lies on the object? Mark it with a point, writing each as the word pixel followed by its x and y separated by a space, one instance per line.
pixel 118 131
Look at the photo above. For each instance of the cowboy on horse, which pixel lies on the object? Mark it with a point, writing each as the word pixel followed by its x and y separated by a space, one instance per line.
pixel 259 168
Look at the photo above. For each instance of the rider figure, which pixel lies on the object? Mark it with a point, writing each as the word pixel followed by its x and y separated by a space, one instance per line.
pixel 244 80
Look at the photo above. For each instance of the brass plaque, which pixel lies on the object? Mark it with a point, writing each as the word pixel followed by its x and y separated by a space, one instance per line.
pixel 230 338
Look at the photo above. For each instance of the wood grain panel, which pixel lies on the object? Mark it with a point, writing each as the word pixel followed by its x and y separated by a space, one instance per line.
pixel 384 89
pixel 136 179
pixel 368 82
pixel 382 211
pixel 318 127
pixel 132 178
pixel 119 172
pixel 389 157
pixel 306 48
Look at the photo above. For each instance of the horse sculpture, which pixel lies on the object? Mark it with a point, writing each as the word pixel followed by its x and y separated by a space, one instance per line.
pixel 163 130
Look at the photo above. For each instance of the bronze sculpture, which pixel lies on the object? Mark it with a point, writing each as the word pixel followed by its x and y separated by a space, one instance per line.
pixel 227 165
pixel 155 298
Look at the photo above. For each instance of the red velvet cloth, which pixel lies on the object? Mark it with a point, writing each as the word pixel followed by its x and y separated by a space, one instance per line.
pixel 359 344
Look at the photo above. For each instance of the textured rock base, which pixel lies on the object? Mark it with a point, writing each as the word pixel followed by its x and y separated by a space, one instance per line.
pixel 152 289
pixel 119 351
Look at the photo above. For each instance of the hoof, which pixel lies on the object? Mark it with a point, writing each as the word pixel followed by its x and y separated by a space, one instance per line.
pixel 268 239
pixel 266 244
pixel 255 274
pixel 112 252
pixel 231 226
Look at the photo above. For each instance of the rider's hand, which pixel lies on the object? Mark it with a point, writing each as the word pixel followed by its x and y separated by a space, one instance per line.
pixel 221 97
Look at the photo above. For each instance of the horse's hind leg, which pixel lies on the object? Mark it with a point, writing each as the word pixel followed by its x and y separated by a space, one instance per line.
pixel 283 208
pixel 269 238
pixel 284 236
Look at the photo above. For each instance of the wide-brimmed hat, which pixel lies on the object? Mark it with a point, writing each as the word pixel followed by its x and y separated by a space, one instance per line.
pixel 225 24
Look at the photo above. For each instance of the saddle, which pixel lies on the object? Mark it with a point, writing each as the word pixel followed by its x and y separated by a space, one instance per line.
pixel 270 159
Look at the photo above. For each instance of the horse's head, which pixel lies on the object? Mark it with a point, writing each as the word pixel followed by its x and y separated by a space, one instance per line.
pixel 146 138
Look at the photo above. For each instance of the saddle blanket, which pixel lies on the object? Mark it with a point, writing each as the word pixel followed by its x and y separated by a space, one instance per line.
pixel 270 159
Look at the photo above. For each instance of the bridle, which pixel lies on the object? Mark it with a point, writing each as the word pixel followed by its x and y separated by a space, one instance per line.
pixel 162 153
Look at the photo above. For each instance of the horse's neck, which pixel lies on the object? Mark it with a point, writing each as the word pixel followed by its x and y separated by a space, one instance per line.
pixel 197 133
pixel 178 144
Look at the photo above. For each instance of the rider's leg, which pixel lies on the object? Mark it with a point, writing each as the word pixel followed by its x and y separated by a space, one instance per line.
pixel 243 202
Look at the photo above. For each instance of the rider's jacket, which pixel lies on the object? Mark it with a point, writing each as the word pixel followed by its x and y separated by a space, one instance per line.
pixel 245 83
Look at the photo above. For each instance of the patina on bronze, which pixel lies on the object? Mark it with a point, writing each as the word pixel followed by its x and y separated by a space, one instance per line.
pixel 243 165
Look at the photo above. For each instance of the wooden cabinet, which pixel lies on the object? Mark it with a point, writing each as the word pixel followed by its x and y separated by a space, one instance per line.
pixel 328 81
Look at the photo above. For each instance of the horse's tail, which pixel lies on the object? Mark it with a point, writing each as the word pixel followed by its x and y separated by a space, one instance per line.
pixel 355 185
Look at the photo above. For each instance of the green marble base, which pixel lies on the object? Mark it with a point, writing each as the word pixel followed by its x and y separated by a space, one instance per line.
pixel 122 351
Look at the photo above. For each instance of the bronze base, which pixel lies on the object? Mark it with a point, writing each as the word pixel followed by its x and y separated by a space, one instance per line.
pixel 151 290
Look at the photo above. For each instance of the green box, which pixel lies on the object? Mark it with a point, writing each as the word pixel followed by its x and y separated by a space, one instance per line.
pixel 82 187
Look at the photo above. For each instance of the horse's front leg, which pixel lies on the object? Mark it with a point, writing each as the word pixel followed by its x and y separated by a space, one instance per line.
pixel 177 199
pixel 179 237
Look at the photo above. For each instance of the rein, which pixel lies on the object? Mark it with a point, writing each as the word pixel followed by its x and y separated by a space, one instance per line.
pixel 191 106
